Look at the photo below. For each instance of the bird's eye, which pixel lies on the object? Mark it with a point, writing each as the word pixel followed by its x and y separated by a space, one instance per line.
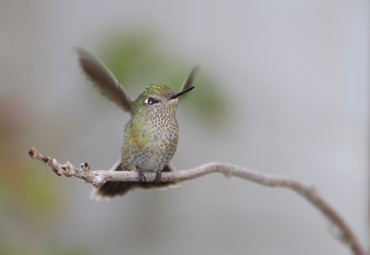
pixel 151 101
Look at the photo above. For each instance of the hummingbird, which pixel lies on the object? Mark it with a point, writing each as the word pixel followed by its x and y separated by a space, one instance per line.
pixel 150 137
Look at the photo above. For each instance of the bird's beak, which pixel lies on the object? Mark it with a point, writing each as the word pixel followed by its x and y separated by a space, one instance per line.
pixel 181 93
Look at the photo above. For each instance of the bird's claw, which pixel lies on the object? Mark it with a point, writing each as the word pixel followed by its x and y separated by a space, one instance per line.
pixel 158 177
pixel 142 177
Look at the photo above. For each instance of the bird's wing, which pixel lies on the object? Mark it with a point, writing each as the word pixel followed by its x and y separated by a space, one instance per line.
pixel 103 80
pixel 189 80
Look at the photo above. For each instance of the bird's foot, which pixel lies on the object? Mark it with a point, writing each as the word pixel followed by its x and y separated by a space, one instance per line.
pixel 158 177
pixel 142 177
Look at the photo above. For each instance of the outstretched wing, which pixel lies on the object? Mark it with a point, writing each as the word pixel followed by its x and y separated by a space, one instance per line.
pixel 103 80
pixel 189 80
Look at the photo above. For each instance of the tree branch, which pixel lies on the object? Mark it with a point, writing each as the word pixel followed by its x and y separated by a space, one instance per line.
pixel 99 177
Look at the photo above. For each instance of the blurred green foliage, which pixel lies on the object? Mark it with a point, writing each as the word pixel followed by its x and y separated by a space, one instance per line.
pixel 136 61
pixel 21 186
pixel 30 200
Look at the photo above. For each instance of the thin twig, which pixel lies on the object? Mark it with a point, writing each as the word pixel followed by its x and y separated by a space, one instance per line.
pixel 99 177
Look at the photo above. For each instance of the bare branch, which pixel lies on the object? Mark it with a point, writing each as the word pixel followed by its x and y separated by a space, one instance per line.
pixel 99 177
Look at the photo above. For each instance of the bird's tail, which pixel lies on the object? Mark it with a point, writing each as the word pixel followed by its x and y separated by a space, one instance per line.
pixel 112 189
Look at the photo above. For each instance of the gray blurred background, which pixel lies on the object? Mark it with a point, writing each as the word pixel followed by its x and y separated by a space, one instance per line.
pixel 283 89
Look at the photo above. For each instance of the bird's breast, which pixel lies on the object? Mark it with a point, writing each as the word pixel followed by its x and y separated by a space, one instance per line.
pixel 149 145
